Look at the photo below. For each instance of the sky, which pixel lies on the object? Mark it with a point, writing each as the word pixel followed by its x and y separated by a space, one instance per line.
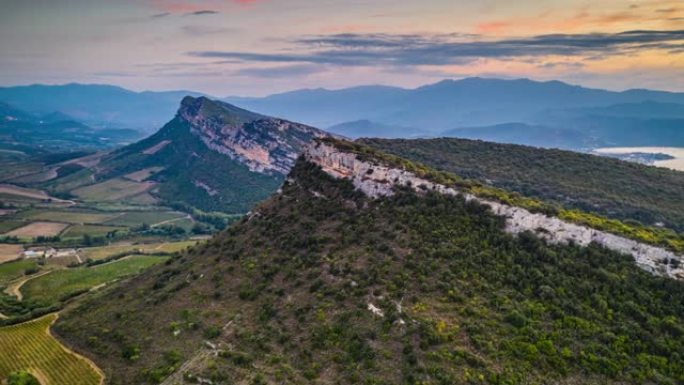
pixel 259 47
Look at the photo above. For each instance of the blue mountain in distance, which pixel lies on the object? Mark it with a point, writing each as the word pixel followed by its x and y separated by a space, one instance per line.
pixel 447 104
pixel 521 111
pixel 99 106
pixel 365 128
pixel 55 132
pixel 596 116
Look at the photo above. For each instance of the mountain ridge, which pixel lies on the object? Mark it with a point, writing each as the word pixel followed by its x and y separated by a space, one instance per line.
pixel 211 155
pixel 322 283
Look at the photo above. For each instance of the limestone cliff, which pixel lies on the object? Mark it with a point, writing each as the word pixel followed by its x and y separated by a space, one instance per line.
pixel 377 180
pixel 264 144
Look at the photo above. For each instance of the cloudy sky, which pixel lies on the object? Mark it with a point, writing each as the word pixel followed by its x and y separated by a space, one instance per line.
pixel 257 47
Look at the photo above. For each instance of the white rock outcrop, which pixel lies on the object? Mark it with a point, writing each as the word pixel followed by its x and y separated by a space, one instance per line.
pixel 377 180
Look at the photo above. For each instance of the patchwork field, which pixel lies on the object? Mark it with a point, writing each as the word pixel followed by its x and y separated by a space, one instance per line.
pixel 71 216
pixel 112 190
pixel 59 284
pixel 107 251
pixel 21 193
pixel 72 181
pixel 37 229
pixel 91 230
pixel 136 218
pixel 30 347
pixel 9 252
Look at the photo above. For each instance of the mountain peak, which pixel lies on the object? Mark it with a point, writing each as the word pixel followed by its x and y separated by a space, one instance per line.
pixel 263 144
pixel 194 108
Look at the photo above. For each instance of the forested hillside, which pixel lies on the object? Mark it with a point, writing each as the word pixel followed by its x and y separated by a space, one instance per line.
pixel 323 285
pixel 595 184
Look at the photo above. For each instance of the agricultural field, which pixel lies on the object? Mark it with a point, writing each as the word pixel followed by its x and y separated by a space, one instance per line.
pixel 7 225
pixel 143 174
pixel 71 181
pixel 102 252
pixel 78 231
pixel 10 271
pixel 30 347
pixel 67 216
pixel 16 164
pixel 112 190
pixel 60 284
pixel 9 252
pixel 36 229
pixel 136 218
pixel 10 192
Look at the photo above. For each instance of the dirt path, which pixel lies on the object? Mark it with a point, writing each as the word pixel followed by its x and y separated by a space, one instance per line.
pixel 14 288
pixel 86 360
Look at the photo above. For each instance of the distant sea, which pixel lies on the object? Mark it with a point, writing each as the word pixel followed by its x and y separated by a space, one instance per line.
pixel 677 153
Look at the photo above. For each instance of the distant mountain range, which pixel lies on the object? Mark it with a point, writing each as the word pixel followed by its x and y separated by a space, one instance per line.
pixel 548 114
pixel 545 114
pixel 55 132
pixel 99 106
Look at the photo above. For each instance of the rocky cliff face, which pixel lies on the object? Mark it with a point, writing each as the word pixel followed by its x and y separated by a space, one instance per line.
pixel 264 144
pixel 377 180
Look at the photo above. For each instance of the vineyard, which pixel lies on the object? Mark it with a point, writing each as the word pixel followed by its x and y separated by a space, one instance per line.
pixel 29 346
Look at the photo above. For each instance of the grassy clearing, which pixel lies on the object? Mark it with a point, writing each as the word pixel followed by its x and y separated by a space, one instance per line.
pixel 9 252
pixel 37 229
pixel 136 218
pixel 91 230
pixel 61 284
pixel 10 271
pixel 70 216
pixel 112 190
pixel 30 347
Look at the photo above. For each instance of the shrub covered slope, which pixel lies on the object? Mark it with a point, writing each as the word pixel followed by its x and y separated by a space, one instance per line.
pixel 607 187
pixel 322 285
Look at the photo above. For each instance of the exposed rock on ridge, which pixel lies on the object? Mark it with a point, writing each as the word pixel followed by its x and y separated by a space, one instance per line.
pixel 264 144
pixel 377 180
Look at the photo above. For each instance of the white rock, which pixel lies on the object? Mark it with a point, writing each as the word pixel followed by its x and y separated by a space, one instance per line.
pixel 376 180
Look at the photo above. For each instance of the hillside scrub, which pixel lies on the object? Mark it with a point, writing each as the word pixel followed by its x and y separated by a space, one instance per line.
pixel 285 296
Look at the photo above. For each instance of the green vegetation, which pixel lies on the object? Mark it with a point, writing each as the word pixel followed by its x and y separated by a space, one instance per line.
pixel 21 378
pixel 75 216
pixel 461 301
pixel 9 225
pixel 137 218
pixel 96 253
pixel 78 231
pixel 29 351
pixel 630 228
pixel 10 271
pixel 236 188
pixel 111 190
pixel 606 187
pixel 60 285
